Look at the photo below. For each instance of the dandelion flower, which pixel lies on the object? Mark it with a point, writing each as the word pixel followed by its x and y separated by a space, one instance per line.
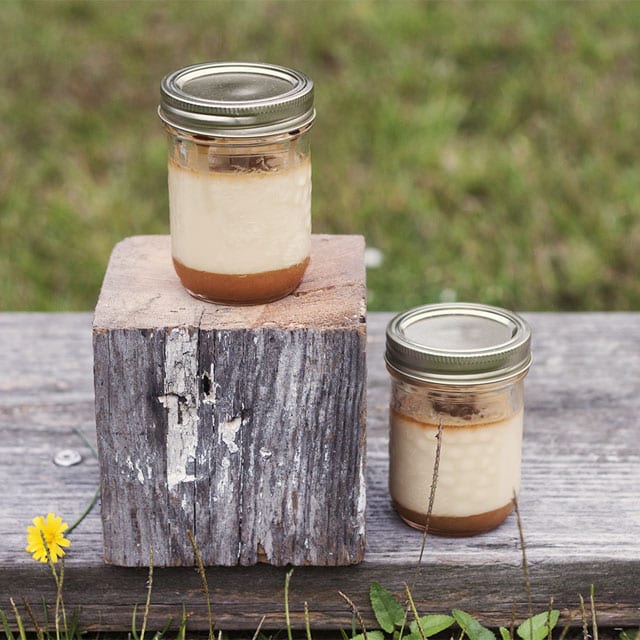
pixel 49 530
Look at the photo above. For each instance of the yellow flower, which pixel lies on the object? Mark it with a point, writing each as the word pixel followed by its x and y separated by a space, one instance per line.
pixel 50 530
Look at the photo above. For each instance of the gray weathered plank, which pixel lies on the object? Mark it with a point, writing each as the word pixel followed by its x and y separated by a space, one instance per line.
pixel 579 501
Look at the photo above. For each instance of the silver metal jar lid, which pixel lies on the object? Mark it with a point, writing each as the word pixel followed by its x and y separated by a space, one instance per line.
pixel 458 344
pixel 236 99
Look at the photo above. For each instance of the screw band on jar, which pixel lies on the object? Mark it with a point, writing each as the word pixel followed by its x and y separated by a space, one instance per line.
pixel 480 420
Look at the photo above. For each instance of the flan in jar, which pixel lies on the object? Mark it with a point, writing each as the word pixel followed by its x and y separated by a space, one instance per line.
pixel 239 179
pixel 456 415
pixel 241 236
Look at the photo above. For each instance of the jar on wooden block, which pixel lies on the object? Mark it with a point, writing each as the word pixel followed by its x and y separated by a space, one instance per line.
pixel 456 402
pixel 239 179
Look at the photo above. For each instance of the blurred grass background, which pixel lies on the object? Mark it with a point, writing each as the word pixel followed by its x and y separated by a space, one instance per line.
pixel 490 150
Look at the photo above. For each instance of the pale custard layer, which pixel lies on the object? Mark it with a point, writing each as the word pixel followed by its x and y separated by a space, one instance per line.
pixel 240 222
pixel 479 467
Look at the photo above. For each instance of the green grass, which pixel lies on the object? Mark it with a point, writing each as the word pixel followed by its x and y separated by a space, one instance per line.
pixel 489 149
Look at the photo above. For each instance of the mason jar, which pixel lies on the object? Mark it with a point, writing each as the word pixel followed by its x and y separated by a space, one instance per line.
pixel 457 373
pixel 239 179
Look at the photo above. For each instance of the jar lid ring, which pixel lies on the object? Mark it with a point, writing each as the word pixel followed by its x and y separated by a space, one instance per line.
pixel 458 343
pixel 236 99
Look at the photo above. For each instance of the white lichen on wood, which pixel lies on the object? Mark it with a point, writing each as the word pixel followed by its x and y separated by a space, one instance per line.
pixel 228 431
pixel 181 401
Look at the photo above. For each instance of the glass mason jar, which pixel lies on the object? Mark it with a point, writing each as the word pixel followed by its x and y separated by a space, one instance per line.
pixel 239 179
pixel 457 374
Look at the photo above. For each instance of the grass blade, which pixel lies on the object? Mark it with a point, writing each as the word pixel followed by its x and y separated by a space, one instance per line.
pixel 134 630
pixel 5 625
pixel 147 604
pixel 182 629
pixel 257 633
pixel 205 585
pixel 19 622
pixel 432 496
pixel 585 627
pixel 38 629
pixel 356 613
pixel 287 581
pixel 594 620
pixel 307 622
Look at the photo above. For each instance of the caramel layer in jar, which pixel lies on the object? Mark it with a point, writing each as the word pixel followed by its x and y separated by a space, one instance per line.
pixel 455 526
pixel 252 288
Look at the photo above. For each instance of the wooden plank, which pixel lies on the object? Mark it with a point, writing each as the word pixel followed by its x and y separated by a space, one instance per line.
pixel 244 425
pixel 580 493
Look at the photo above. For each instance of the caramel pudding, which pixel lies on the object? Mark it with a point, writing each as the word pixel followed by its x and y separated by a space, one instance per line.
pixel 251 288
pixel 241 236
pixel 478 474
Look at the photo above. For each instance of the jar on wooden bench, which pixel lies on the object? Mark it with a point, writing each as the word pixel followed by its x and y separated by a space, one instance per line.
pixel 456 403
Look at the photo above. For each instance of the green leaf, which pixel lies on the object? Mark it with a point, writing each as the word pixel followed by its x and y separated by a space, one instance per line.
pixel 541 624
pixel 371 635
pixel 431 624
pixel 471 627
pixel 505 634
pixel 388 611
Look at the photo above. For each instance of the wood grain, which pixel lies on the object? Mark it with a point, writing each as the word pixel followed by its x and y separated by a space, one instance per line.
pixel 579 501
pixel 244 425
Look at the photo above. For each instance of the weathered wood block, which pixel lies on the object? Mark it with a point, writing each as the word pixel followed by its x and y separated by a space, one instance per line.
pixel 244 425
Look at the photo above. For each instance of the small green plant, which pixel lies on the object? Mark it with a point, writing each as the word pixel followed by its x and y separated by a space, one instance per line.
pixel 392 616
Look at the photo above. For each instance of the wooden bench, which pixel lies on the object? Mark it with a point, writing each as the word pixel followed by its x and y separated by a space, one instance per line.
pixel 580 499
